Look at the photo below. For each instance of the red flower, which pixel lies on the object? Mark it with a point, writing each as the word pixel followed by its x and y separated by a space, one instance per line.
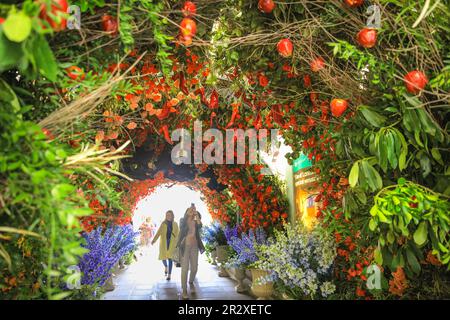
pixel 360 292
pixel 263 80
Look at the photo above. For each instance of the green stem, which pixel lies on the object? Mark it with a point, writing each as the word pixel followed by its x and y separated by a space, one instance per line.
pixel 50 254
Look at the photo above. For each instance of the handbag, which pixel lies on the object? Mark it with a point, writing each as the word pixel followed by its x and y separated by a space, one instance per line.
pixel 177 255
pixel 176 258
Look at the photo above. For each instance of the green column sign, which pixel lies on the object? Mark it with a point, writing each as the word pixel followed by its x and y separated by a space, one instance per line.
pixel 301 162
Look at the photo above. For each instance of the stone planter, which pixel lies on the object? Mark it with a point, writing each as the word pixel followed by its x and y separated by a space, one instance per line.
pixel 239 275
pixel 109 284
pixel 214 257
pixel 222 257
pixel 262 291
pixel 221 254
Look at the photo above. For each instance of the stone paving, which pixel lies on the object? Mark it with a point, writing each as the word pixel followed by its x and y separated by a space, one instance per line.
pixel 144 280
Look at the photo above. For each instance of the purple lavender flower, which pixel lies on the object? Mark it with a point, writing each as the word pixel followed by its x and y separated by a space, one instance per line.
pixel 105 251
pixel 231 232
pixel 245 246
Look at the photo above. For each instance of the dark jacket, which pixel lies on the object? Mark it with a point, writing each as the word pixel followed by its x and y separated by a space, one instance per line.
pixel 183 233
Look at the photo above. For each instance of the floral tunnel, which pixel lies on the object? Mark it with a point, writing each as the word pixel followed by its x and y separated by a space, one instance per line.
pixel 219 185
pixel 88 107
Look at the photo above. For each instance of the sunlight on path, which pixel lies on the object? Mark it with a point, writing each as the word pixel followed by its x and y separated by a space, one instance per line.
pixel 144 280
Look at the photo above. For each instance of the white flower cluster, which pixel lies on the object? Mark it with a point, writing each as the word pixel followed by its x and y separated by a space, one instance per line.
pixel 300 260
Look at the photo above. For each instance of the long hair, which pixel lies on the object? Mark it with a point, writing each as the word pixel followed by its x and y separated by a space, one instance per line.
pixel 185 217
pixel 187 211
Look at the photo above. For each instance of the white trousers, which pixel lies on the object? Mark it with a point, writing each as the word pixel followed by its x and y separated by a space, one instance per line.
pixel 189 261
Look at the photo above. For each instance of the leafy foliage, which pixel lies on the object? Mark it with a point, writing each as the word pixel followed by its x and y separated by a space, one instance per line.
pixel 39 198
pixel 409 218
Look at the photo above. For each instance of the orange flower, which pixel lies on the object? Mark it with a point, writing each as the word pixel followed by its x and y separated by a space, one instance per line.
pixel 173 102
pixel 351 272
pixel 132 125
pixel 360 292
pixel 157 97
pixel 431 258
pixel 99 136
pixel 113 135
pixel 398 284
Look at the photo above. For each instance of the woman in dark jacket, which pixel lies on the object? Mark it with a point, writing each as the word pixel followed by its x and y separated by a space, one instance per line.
pixel 189 244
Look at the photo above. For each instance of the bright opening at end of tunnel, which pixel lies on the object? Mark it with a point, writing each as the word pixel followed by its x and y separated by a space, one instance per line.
pixel 176 198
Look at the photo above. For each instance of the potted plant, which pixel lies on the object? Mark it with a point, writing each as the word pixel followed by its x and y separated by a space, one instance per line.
pixel 213 237
pixel 106 248
pixel 262 284
pixel 245 248
pixel 300 262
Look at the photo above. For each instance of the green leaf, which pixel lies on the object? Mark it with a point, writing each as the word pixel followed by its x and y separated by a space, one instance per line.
pixel 373 117
pixel 45 60
pixel 437 155
pixel 387 256
pixel 397 261
pixel 427 123
pixel 391 150
pixel 79 251
pixel 17 26
pixel 8 95
pixel 382 149
pixel 372 224
pixel 378 256
pixel 396 200
pixel 382 217
pixel 360 195
pixel 62 190
pixel 354 173
pixel 38 177
pixel 374 211
pixel 443 248
pixel 5 255
pixel 425 164
pixel 402 159
pixel 372 175
pixel 418 140
pixel 412 261
pixel 10 53
pixel 404 150
pixel 421 233
pixel 390 237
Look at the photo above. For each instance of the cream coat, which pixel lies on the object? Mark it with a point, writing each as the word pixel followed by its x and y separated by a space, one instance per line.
pixel 162 232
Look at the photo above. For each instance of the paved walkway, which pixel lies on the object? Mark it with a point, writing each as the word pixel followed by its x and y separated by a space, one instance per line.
pixel 144 280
